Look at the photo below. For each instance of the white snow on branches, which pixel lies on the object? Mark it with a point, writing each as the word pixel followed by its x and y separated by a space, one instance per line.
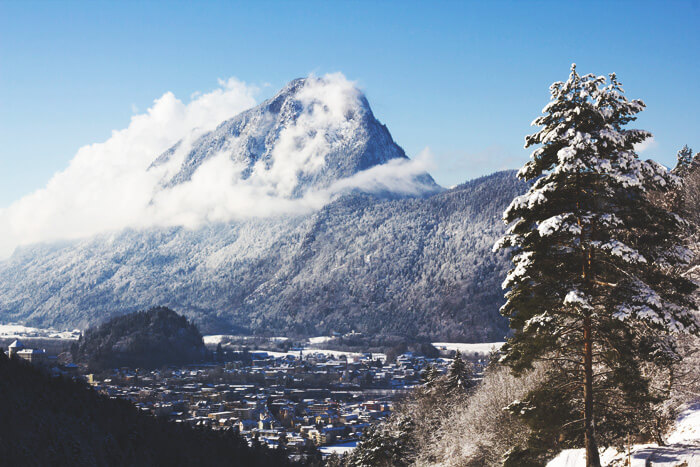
pixel 619 249
pixel 537 321
pixel 609 134
pixel 528 200
pixel 536 195
pixel 558 224
pixel 648 305
pixel 604 220
pixel 578 299
pixel 522 261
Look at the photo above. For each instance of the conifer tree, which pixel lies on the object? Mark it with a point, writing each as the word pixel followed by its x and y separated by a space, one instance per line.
pixel 429 377
pixel 384 445
pixel 458 378
pixel 684 160
pixel 595 277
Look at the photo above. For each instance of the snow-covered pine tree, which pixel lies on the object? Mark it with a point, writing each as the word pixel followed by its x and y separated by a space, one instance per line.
pixel 429 377
pixel 458 378
pixel 595 263
pixel 387 444
pixel 684 160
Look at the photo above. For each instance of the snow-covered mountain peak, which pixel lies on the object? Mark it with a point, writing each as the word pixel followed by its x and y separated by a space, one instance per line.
pixel 313 132
pixel 213 161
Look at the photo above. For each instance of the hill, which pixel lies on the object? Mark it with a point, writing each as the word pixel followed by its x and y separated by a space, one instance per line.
pixel 143 339
pixel 414 266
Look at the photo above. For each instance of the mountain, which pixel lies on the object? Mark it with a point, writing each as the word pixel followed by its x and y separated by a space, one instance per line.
pixel 415 266
pixel 322 224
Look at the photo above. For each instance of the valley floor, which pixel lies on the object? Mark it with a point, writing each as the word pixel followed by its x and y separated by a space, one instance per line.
pixel 683 449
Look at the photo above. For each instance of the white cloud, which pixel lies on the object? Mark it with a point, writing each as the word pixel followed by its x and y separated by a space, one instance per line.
pixel 106 186
pixel 218 190
pixel 645 145
pixel 109 186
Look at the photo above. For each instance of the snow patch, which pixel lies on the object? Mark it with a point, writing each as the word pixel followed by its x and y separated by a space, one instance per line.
pixel 683 448
pixel 338 449
pixel 483 348
pixel 17 331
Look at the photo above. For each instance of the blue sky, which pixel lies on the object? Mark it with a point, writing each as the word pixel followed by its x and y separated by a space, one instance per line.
pixel 463 78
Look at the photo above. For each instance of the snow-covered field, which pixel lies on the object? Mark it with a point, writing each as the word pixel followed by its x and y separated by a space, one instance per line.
pixel 339 449
pixel 215 339
pixel 320 339
pixel 469 349
pixel 18 331
pixel 683 449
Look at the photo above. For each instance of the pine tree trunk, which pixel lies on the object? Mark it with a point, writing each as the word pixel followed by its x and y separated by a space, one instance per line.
pixel 592 458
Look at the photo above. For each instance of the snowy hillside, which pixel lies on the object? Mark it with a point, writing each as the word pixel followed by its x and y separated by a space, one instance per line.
pixel 682 449
pixel 415 266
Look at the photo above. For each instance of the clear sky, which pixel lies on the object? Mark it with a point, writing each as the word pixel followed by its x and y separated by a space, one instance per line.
pixel 462 78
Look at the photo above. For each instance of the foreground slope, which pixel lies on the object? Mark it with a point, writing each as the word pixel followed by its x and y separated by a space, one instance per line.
pixel 682 448
pixel 57 421
pixel 414 266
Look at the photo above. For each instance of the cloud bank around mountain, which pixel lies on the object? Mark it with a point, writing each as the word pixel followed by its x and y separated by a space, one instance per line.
pixel 110 186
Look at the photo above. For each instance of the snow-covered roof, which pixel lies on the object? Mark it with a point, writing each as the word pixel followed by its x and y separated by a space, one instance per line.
pixel 17 344
pixel 31 352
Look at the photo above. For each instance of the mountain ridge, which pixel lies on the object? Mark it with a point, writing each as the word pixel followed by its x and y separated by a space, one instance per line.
pixel 413 266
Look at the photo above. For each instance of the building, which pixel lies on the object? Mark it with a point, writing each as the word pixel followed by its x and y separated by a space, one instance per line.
pixel 35 356
pixel 15 347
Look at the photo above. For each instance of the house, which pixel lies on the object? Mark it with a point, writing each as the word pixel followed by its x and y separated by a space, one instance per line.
pixel 15 347
pixel 34 356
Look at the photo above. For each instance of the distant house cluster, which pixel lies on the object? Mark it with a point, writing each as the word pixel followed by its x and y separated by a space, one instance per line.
pixel 285 399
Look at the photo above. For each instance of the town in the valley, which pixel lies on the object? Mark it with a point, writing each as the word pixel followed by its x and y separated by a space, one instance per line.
pixel 300 398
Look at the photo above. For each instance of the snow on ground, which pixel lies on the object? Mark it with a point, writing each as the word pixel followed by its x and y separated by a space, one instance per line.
pixel 687 428
pixel 320 339
pixel 215 339
pixel 339 449
pixel 683 449
pixel 340 353
pixel 483 348
pixel 218 338
pixel 18 331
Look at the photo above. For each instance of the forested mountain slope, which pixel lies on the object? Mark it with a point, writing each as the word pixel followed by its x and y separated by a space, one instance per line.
pixel 419 266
